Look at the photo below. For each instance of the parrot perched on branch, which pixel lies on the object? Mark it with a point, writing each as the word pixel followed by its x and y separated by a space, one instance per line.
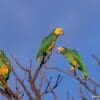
pixel 74 59
pixel 48 43
pixel 4 68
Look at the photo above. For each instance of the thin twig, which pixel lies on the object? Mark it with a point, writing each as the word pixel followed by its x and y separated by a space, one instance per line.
pixel 97 59
pixel 82 81
pixel 22 84
pixel 51 89
pixel 19 65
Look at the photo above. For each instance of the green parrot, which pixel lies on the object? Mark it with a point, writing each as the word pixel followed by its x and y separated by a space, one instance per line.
pixel 74 59
pixel 4 68
pixel 48 43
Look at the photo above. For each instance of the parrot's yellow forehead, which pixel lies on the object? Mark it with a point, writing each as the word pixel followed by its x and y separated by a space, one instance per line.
pixel 60 49
pixel 59 31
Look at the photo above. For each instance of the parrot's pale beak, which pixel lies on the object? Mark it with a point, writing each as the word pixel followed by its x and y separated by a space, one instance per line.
pixel 62 32
pixel 58 51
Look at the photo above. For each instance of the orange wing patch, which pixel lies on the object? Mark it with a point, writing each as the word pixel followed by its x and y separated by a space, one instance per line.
pixel 4 70
pixel 51 47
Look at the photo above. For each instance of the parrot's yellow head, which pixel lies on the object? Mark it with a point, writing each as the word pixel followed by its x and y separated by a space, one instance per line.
pixel 60 49
pixel 58 31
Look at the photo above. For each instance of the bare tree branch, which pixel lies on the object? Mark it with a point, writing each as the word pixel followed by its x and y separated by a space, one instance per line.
pixel 49 86
pixel 22 84
pixel 82 81
pixel 97 59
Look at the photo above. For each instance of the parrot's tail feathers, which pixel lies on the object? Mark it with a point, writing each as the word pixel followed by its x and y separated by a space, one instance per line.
pixel 84 74
pixel 38 59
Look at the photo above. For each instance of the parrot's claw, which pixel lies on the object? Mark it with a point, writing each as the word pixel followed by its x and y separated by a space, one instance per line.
pixel 47 57
pixel 72 70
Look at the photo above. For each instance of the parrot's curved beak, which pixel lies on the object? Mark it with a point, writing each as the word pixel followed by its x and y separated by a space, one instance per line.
pixel 62 32
pixel 58 51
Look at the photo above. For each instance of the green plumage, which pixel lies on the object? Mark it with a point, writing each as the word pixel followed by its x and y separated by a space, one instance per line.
pixel 75 60
pixel 49 40
pixel 4 66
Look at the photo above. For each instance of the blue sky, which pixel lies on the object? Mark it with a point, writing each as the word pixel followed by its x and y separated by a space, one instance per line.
pixel 24 23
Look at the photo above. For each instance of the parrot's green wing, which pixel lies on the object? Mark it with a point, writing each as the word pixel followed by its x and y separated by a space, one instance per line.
pixel 48 42
pixel 79 61
pixel 76 56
